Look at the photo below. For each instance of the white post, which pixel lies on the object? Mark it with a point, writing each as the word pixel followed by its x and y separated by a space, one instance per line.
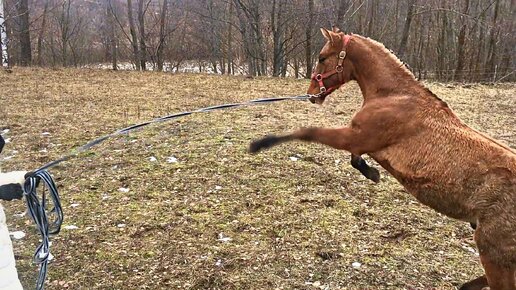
pixel 4 58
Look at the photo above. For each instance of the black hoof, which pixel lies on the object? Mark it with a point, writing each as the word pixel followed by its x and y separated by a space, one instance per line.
pixel 263 143
pixel 373 174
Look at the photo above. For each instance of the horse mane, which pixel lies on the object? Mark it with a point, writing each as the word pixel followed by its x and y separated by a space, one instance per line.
pixel 380 47
pixel 390 54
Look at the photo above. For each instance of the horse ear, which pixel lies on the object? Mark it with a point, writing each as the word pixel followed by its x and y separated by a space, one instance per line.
pixel 335 29
pixel 326 33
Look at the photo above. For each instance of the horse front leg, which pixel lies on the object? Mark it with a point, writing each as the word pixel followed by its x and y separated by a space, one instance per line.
pixel 369 172
pixel 344 138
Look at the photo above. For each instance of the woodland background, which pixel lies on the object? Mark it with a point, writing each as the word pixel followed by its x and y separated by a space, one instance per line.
pixel 455 40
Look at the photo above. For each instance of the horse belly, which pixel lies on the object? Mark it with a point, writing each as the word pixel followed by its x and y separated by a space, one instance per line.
pixel 441 190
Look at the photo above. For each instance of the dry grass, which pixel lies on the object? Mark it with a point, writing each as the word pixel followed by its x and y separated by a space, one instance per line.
pixel 293 224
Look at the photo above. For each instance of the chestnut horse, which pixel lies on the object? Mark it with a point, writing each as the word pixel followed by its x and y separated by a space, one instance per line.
pixel 416 137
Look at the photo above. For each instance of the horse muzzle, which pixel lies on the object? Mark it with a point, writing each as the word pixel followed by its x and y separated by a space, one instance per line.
pixel 318 99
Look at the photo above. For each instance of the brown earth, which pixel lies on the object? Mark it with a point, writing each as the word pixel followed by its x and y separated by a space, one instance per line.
pixel 295 217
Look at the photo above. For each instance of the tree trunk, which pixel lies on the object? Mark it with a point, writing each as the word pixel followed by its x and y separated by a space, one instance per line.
pixel 278 32
pixel 343 5
pixel 161 43
pixel 39 60
pixel 229 48
pixel 64 23
pixel 25 47
pixel 143 46
pixel 134 38
pixel 460 45
pixel 112 35
pixel 4 57
pixel 406 29
pixel 372 16
pixel 308 35
pixel 492 41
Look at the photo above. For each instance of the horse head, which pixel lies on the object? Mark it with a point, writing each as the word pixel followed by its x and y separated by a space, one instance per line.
pixel 333 68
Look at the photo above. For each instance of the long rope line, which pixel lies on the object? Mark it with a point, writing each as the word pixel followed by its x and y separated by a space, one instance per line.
pixel 99 140
pixel 38 208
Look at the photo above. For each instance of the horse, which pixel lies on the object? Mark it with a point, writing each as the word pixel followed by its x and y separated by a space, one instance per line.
pixel 418 139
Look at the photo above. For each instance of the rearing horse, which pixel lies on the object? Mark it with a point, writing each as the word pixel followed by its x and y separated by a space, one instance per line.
pixel 416 137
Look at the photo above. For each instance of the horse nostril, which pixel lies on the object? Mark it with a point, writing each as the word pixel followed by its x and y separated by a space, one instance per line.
pixel 312 100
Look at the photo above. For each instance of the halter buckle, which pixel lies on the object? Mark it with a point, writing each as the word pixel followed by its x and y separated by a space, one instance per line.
pixel 339 68
pixel 318 77
pixel 342 54
pixel 322 90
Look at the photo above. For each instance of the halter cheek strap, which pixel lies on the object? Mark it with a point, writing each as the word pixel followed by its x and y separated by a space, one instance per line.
pixel 338 70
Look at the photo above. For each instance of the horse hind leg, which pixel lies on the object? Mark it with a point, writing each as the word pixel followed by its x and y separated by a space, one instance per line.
pixel 496 244
pixel 369 172
pixel 498 278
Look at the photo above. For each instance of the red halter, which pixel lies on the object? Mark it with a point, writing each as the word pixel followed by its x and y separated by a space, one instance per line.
pixel 338 70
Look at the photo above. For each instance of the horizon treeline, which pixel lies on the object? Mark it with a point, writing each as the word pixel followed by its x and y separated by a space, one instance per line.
pixel 446 40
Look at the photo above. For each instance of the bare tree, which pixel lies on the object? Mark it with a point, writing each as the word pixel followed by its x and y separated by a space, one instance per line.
pixel 4 58
pixel 162 34
pixel 134 38
pixel 461 43
pixel 308 35
pixel 25 45
pixel 112 34
pixel 39 60
pixel 406 28
pixel 141 21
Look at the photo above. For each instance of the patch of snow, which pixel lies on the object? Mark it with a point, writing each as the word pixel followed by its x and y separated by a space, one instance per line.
pixel 293 158
pixel 5 131
pixel 7 140
pixel 123 189
pixel 121 225
pixel 71 227
pixel 74 205
pixel 20 215
pixel 356 265
pixel 46 134
pixel 171 159
pixel 223 238
pixel 218 263
pixel 218 187
pixel 17 235
pixel 153 159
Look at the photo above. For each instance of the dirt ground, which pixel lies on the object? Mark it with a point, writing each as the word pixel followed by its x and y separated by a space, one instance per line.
pixel 182 205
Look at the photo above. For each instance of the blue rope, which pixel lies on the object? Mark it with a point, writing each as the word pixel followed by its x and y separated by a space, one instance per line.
pixel 99 140
pixel 38 212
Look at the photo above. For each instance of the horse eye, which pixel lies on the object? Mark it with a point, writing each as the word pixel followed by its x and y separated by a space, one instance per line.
pixel 321 59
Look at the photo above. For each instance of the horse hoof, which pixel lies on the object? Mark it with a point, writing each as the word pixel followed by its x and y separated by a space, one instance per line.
pixel 373 174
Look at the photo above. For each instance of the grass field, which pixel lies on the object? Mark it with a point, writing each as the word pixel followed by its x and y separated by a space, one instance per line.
pixel 295 217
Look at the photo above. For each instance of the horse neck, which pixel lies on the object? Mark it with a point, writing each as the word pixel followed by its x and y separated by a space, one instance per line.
pixel 378 72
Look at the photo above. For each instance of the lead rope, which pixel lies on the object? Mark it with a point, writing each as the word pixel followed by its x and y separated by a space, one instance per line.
pixel 38 212
pixel 37 209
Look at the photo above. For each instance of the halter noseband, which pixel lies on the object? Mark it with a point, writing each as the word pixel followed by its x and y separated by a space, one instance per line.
pixel 323 91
